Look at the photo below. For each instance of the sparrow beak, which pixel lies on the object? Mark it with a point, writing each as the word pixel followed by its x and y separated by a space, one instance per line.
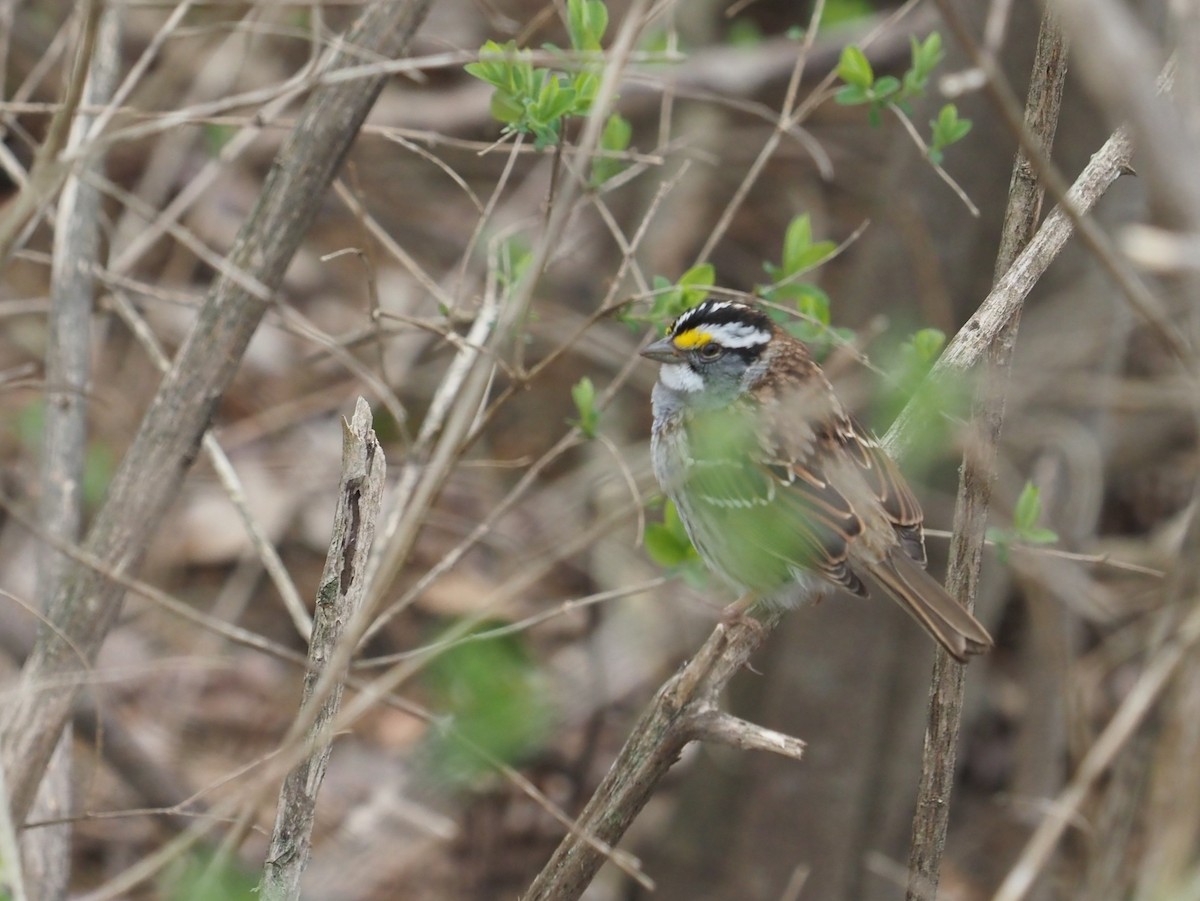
pixel 662 351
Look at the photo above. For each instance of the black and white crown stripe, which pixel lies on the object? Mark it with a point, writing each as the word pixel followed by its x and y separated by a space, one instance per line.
pixel 731 324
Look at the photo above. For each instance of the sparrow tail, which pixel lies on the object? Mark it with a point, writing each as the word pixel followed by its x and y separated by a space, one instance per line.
pixel 927 602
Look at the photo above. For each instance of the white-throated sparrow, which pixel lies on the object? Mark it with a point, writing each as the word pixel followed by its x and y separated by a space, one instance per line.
pixel 778 487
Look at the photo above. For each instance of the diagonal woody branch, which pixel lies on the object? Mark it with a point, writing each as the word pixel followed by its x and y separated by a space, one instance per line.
pixel 85 608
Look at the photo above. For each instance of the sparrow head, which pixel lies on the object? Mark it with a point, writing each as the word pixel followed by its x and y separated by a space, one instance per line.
pixel 712 351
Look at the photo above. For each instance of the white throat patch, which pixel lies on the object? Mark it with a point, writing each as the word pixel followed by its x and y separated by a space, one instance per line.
pixel 680 377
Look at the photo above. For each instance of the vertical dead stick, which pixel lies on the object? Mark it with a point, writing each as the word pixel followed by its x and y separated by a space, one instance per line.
pixel 975 484
pixel 64 433
pixel 148 479
pixel 341 592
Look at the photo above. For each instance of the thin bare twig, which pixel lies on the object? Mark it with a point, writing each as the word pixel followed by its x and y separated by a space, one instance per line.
pixel 48 171
pixel 1136 704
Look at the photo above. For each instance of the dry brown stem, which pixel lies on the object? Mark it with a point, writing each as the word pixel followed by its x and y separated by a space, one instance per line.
pixel 977 475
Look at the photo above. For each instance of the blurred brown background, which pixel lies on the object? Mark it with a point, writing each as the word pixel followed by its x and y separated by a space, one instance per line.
pixel 1097 417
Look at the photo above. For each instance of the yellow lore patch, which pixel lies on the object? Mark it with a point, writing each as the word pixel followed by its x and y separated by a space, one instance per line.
pixel 692 338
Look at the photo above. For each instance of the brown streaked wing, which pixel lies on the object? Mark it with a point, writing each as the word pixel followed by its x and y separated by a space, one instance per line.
pixel 826 512
pixel 816 506
pixel 800 517
pixel 886 482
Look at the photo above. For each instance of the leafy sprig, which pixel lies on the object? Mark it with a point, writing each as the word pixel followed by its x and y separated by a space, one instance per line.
pixel 613 140
pixel 800 255
pixel 583 393
pixel 1024 529
pixel 862 86
pixel 535 101
pixel 672 298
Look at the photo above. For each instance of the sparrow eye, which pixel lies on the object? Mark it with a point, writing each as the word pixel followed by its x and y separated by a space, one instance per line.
pixel 710 352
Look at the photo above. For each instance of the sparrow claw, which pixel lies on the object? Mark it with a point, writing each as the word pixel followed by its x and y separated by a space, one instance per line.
pixel 738 613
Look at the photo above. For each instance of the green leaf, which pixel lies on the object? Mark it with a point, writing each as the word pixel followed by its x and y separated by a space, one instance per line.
pixel 499 65
pixel 671 519
pixel 587 20
pixel 840 11
pixel 1001 540
pixel 217 136
pixel 667 543
pixel 1039 535
pixel 664 548
pixel 485 72
pixel 745 33
pixel 934 404
pixel 911 86
pixel 696 283
pixel 948 128
pixel 545 135
pixel 585 83
pixel 885 87
pixel 99 464
pixel 655 42
pixel 617 133
pixel 851 95
pixel 193 877
pixel 925 56
pixel 614 139
pixel 515 257
pixel 799 251
pixel 854 68
pixel 584 394
pixel 554 101
pixel 927 344
pixel 796 242
pixel 814 305
pixel 1028 509
pixel 505 108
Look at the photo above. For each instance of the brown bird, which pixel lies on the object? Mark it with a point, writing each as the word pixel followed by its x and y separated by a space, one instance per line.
pixel 780 490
